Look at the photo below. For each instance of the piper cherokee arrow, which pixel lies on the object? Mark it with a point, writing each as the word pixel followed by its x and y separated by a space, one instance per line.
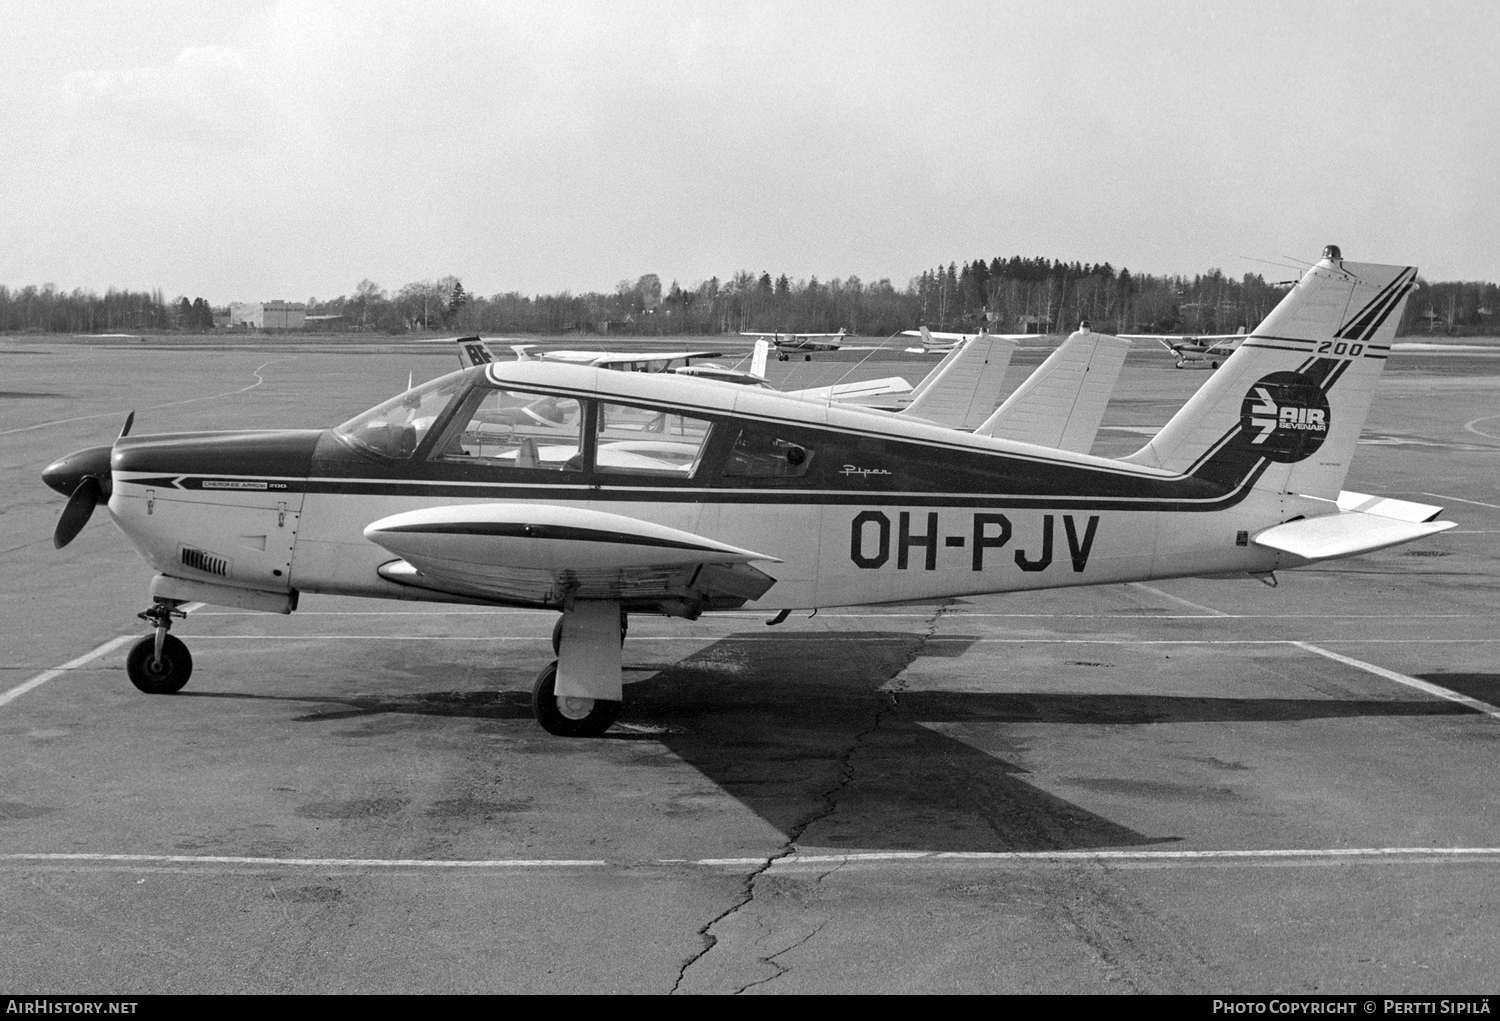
pixel 600 494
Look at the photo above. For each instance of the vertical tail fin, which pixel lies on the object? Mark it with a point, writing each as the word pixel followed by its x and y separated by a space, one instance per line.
pixel 937 371
pixel 758 360
pixel 1062 403
pixel 965 387
pixel 473 351
pixel 1285 410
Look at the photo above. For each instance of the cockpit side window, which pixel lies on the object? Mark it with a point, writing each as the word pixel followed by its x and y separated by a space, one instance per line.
pixel 763 453
pixel 396 428
pixel 648 441
pixel 515 429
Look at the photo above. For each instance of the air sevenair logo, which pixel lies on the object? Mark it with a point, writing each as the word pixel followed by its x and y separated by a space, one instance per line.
pixel 1286 416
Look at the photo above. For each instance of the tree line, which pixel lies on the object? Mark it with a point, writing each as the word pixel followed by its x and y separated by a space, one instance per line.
pixel 1005 294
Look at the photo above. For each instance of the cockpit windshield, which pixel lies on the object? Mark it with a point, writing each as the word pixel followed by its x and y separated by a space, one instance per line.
pixel 395 429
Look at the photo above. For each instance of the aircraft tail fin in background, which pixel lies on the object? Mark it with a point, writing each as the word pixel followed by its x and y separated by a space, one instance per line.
pixel 473 351
pixel 1062 403
pixel 937 371
pixel 965 388
pixel 759 359
pixel 1285 410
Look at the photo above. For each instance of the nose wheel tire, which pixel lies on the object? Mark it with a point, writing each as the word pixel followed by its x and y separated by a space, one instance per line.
pixel 159 677
pixel 569 717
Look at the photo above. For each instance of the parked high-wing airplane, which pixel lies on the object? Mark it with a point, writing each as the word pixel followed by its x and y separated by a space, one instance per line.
pixel 653 493
pixel 1205 351
pixel 803 342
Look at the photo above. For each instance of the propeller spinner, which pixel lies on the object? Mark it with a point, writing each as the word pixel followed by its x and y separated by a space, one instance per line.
pixel 84 476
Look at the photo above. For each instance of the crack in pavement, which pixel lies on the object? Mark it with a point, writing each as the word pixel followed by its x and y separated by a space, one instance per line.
pixel 794 833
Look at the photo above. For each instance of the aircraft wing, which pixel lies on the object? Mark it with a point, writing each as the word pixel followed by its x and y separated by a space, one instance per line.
pixel 853 391
pixel 1344 534
pixel 652 359
pixel 1168 338
pixel 531 554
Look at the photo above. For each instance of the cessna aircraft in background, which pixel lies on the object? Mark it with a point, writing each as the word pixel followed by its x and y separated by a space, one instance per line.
pixel 649 493
pixel 1206 351
pixel 803 342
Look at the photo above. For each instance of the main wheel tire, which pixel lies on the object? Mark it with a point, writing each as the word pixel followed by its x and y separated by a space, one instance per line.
pixel 569 717
pixel 159 678
pixel 557 632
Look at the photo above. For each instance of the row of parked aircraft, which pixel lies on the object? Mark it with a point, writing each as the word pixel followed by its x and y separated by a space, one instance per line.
pixel 599 493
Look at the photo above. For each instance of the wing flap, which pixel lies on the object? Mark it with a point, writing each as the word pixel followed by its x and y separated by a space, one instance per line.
pixel 1345 534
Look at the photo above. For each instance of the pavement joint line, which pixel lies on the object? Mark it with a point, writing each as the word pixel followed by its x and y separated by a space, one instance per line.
pixel 791 861
pixel 72 664
pixel 1410 682
pixel 1476 503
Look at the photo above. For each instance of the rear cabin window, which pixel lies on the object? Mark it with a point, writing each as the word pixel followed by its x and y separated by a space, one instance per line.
pixel 763 454
pixel 648 441
pixel 515 429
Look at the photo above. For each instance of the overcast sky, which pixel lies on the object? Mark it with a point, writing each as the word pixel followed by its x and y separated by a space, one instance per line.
pixel 243 151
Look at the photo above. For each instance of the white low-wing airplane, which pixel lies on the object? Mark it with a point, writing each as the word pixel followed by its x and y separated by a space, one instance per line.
pixel 785 343
pixel 1205 351
pixel 939 343
pixel 475 351
pixel 653 493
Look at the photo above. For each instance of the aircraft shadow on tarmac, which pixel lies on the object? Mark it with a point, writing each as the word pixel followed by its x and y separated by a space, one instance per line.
pixel 815 741
pixel 1484 687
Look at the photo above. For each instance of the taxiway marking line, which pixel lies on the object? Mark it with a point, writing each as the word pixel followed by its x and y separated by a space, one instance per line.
pixel 259 381
pixel 1177 599
pixel 72 664
pixel 959 613
pixel 789 862
pixel 835 636
pixel 1476 503
pixel 1410 682
pixel 1480 432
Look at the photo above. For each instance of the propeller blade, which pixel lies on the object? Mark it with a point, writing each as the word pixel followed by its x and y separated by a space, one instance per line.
pixel 76 514
pixel 129 421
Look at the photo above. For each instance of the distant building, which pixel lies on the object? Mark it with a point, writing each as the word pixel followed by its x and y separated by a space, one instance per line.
pixel 268 315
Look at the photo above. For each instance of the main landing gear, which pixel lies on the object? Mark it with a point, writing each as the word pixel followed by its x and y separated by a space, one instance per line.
pixel 587 644
pixel 159 664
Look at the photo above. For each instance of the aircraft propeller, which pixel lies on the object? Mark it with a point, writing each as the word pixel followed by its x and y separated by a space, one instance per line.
pixel 84 475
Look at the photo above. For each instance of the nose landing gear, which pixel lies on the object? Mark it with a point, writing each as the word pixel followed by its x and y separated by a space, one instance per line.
pixel 159 664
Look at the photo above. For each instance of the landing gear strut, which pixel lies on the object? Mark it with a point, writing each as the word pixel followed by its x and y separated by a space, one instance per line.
pixel 579 693
pixel 159 664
